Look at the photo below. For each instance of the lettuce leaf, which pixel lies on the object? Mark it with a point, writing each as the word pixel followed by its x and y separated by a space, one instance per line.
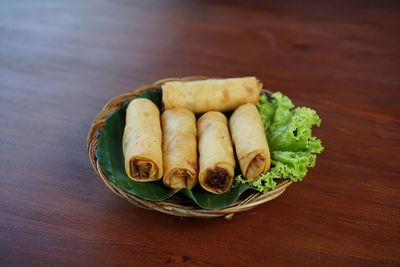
pixel 292 146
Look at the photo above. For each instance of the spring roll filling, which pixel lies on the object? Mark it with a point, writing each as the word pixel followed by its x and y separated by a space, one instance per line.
pixel 142 169
pixel 180 178
pixel 217 179
pixel 256 166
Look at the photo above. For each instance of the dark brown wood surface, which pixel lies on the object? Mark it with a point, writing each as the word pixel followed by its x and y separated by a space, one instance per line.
pixel 61 61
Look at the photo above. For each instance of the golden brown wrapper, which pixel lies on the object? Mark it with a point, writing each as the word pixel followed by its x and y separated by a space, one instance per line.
pixel 212 94
pixel 216 158
pixel 179 148
pixel 248 137
pixel 142 141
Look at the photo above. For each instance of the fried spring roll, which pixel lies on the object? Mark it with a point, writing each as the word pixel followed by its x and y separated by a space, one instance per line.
pixel 216 158
pixel 213 94
pixel 179 148
pixel 142 141
pixel 248 137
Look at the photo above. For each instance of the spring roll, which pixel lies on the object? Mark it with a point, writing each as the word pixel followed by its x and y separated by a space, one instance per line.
pixel 213 94
pixel 142 141
pixel 179 148
pixel 248 137
pixel 216 158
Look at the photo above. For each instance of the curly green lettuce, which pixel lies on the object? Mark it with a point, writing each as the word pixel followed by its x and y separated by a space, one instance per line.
pixel 292 146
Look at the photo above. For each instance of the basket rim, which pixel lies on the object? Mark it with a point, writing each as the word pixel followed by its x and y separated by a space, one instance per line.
pixel 165 206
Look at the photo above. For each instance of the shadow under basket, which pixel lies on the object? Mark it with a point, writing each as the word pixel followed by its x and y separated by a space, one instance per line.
pixel 172 207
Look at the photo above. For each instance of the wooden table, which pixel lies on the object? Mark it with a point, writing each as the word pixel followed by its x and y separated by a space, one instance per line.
pixel 61 61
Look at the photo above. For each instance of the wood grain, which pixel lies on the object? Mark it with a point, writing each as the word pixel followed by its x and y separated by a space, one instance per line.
pixel 60 61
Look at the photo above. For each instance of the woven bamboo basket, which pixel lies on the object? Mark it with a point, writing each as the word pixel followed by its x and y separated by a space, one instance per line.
pixel 168 207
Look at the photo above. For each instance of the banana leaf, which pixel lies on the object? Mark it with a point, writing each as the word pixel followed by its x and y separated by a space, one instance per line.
pixel 111 160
